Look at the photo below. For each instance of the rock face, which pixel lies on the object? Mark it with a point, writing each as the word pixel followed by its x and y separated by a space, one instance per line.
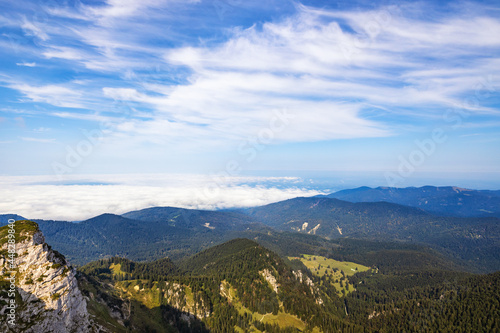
pixel 270 279
pixel 305 279
pixel 180 297
pixel 48 298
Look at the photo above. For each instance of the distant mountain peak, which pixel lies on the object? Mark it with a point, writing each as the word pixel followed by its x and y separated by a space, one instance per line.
pixel 440 200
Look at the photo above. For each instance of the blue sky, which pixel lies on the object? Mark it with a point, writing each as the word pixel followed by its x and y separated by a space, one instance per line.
pixel 408 92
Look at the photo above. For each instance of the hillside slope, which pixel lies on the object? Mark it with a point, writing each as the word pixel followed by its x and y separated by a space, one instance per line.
pixel 474 241
pixel 183 233
pixel 4 218
pixel 192 218
pixel 239 286
pixel 236 286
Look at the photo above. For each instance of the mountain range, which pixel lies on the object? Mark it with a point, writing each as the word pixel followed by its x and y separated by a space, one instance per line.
pixel 473 241
pixel 447 200
pixel 316 264
pixel 344 285
pixel 287 227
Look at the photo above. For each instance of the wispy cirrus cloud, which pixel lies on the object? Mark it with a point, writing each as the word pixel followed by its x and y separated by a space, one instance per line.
pixel 168 73
pixel 347 59
pixel 325 73
pixel 39 140
pixel 119 9
pixel 56 95
pixel 64 53
pixel 381 62
pixel 32 29
pixel 26 64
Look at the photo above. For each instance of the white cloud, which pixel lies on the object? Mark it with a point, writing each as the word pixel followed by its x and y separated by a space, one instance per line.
pixel 328 75
pixel 84 116
pixel 56 95
pixel 29 139
pixel 122 8
pixel 64 53
pixel 41 129
pixel 22 195
pixel 124 94
pixel 26 64
pixel 326 67
pixel 31 29
pixel 115 10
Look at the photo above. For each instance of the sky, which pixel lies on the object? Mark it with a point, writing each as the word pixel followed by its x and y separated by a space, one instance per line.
pixel 277 98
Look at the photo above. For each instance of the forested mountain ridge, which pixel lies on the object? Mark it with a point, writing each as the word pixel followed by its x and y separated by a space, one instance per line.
pixel 4 218
pixel 193 218
pixel 436 303
pixel 236 286
pixel 475 241
pixel 114 235
pixel 239 286
pixel 447 200
pixel 158 232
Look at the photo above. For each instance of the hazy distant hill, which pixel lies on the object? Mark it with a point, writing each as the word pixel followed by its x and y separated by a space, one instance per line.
pixel 192 218
pixel 449 201
pixel 4 218
pixel 475 240
pixel 172 232
pixel 158 232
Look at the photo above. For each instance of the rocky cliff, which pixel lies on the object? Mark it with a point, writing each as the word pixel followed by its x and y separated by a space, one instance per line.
pixel 39 291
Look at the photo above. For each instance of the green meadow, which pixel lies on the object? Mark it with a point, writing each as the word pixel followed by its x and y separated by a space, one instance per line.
pixel 334 271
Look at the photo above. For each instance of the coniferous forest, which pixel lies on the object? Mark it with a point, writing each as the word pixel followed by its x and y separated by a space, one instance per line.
pixel 235 286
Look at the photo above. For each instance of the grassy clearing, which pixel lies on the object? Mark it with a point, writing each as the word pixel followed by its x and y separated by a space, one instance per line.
pixel 116 268
pixel 147 296
pixel 284 320
pixel 336 271
pixel 321 265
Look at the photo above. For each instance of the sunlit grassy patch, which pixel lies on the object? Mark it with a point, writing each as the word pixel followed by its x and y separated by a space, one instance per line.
pixel 336 271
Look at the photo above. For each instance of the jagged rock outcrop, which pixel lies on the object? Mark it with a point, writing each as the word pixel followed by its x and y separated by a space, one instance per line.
pixel 307 280
pixel 47 296
pixel 181 297
pixel 266 274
